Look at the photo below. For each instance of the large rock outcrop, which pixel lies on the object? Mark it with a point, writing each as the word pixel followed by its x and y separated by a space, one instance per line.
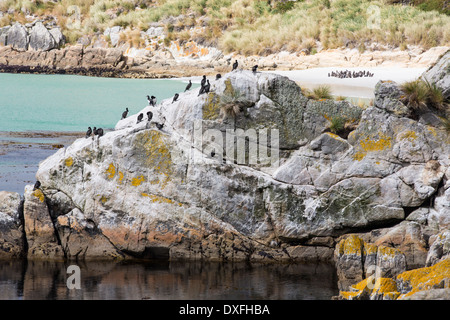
pixel 251 171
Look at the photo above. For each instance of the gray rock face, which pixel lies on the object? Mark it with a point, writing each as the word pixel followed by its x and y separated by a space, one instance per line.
pixel 114 34
pixel 18 37
pixel 57 36
pixel 11 229
pixel 41 38
pixel 439 74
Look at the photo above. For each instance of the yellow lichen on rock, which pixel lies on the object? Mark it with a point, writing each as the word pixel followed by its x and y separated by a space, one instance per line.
pixel 351 245
pixel 436 276
pixel 39 194
pixel 384 288
pixel 408 135
pixel 68 162
pixel 111 171
pixel 159 199
pixel 120 177
pixel 137 181
pixel 372 145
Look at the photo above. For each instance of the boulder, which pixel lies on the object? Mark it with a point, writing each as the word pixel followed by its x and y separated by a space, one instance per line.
pixel 39 229
pixel 41 38
pixel 11 226
pixel 17 37
pixel 58 36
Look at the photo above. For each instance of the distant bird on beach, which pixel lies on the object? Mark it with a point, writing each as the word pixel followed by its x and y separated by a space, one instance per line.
pixel 235 65
pixel 218 76
pixel 140 117
pixel 149 115
pixel 37 185
pixel 254 68
pixel 175 97
pixel 88 132
pixel 188 86
pixel 124 114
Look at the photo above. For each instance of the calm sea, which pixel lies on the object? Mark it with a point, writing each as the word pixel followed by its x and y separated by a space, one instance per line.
pixel 39 113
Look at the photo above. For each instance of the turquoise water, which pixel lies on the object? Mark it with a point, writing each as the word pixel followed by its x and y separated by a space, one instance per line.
pixel 31 102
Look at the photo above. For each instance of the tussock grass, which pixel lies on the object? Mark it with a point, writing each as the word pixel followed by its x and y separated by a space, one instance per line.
pixel 257 26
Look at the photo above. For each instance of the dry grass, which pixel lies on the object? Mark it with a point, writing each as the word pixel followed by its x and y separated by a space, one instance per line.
pixel 255 26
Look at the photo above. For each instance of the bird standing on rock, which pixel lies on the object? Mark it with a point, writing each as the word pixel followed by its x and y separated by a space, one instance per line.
pixel 188 86
pixel 37 185
pixel 203 82
pixel 140 117
pixel 149 115
pixel 207 87
pixel 175 98
pixel 88 132
pixel 124 114
pixel 218 76
pixel 235 65
pixel 254 68
pixel 94 132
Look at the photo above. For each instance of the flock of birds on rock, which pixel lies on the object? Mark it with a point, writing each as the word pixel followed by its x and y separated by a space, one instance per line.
pixel 204 88
pixel 350 74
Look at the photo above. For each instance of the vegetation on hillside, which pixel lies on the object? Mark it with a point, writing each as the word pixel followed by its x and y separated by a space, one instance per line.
pixel 253 26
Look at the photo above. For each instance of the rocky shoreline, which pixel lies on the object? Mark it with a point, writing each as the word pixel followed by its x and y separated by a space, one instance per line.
pixel 36 48
pixel 374 200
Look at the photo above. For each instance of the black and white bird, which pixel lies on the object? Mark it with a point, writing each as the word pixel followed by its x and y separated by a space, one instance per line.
pixel 149 100
pixel 235 65
pixel 152 101
pixel 98 132
pixel 202 90
pixel 188 86
pixel 159 125
pixel 149 115
pixel 140 117
pixel 88 132
pixel 218 76
pixel 175 97
pixel 203 82
pixel 254 68
pixel 94 132
pixel 124 114
pixel 37 185
pixel 207 87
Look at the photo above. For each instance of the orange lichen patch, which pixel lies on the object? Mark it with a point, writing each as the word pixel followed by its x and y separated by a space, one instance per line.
pixel 68 162
pixel 120 177
pixel 159 199
pixel 137 181
pixel 111 171
pixel 370 248
pixel 372 286
pixel 103 199
pixel 39 194
pixel 387 252
pixel 372 145
pixel 351 245
pixel 426 278
pixel 408 135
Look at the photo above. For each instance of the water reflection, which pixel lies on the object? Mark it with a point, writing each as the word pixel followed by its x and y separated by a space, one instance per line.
pixel 168 280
